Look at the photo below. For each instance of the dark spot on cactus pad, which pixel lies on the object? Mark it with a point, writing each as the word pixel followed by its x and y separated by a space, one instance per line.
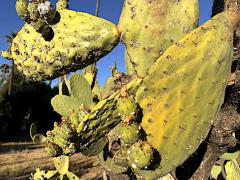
pixel 150 120
pixel 56 19
pixel 47 33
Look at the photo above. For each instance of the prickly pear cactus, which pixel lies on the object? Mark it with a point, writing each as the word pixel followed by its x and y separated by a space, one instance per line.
pixel 184 91
pixel 149 27
pixel 85 131
pixel 78 39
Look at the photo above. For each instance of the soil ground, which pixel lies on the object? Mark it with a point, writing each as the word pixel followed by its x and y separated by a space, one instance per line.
pixel 19 160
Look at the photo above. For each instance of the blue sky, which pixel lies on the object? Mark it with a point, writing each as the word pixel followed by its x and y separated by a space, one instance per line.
pixel 109 9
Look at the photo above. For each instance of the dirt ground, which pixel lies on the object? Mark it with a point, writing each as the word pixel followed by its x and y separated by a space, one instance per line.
pixel 19 160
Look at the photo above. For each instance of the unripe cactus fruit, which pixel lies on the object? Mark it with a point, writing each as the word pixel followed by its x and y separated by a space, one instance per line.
pixel 79 39
pixel 127 108
pixel 184 91
pixel 139 155
pixel 149 27
pixel 21 8
pixel 53 149
pixel 32 9
pixel 129 134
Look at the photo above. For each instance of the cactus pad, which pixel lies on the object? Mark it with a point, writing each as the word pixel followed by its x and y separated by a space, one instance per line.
pixel 78 39
pixel 149 27
pixel 184 91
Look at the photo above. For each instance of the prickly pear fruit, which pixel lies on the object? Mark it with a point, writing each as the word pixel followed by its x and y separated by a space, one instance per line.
pixel 149 27
pixel 21 8
pixel 139 155
pixel 184 91
pixel 64 131
pixel 127 108
pixel 53 149
pixel 129 134
pixel 78 39
pixel 32 9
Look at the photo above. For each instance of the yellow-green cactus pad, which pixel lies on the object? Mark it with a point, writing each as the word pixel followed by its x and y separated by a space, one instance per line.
pixel 150 27
pixel 79 39
pixel 184 91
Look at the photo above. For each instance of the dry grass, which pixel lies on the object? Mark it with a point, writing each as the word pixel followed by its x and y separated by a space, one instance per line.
pixel 19 160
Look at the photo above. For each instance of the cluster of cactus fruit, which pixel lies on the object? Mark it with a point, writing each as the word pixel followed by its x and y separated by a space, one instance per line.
pixel 149 120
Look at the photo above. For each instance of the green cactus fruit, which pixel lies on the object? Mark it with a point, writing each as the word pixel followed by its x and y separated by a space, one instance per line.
pixel 129 134
pixel 184 91
pixel 21 9
pixel 53 149
pixel 39 24
pixel 139 155
pixel 127 108
pixel 76 41
pixel 62 143
pixel 32 9
pixel 120 158
pixel 64 130
pixel 74 119
pixel 62 4
pixel 149 27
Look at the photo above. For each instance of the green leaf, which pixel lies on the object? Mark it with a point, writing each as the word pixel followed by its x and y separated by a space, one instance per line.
pixel 232 170
pixel 39 138
pixel 62 164
pixel 216 170
pixel 230 156
pixel 80 89
pixel 65 104
pixel 72 176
